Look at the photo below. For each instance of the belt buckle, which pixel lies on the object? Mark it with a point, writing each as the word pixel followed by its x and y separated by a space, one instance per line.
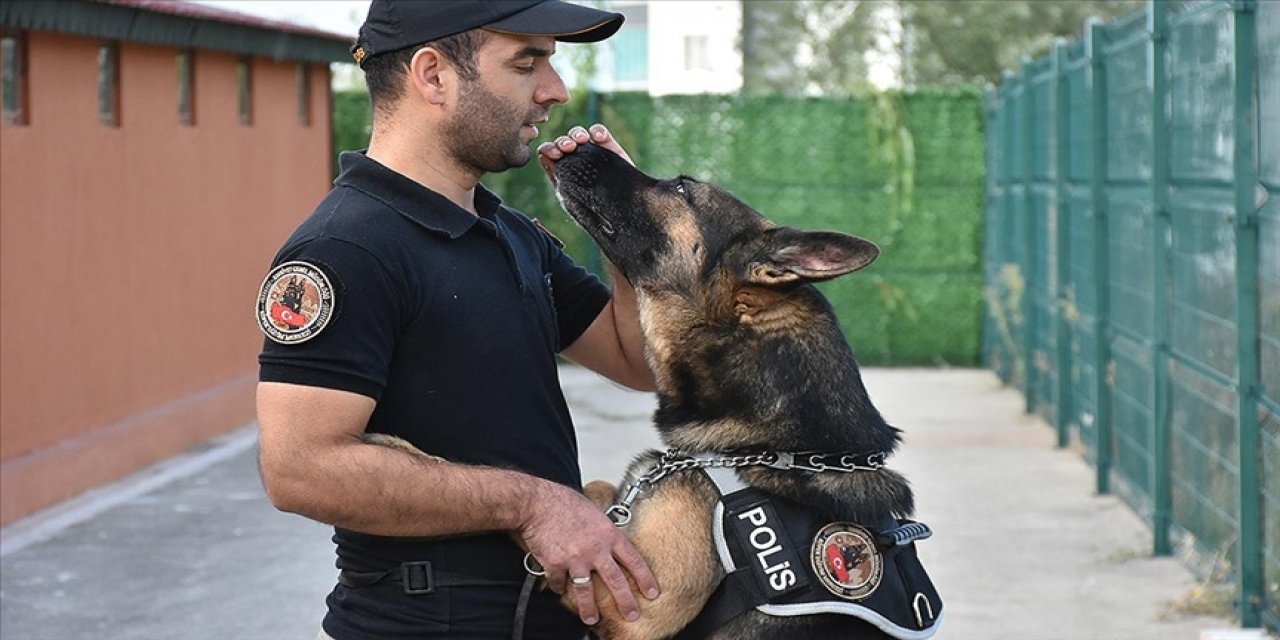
pixel 417 578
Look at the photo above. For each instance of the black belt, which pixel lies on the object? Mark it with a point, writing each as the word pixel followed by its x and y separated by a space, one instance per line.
pixel 418 578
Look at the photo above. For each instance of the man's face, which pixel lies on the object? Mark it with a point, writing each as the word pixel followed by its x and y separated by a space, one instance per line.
pixel 495 115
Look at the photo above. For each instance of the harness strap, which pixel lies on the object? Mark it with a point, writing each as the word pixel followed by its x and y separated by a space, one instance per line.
pixel 725 479
pixel 734 596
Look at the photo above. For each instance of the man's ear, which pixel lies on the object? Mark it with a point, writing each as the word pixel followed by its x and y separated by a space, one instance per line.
pixel 427 75
pixel 788 255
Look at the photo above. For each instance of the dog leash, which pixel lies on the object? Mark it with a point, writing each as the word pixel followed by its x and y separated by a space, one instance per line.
pixel 674 461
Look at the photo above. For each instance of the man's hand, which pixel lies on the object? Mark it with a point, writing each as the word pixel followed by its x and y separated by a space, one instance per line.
pixel 549 153
pixel 571 538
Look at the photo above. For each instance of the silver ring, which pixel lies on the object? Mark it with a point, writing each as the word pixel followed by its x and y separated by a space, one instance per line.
pixel 581 581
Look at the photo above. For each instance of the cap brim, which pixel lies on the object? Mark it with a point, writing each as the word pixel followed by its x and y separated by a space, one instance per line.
pixel 562 20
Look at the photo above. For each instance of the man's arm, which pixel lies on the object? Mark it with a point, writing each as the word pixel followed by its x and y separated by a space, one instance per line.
pixel 613 345
pixel 314 463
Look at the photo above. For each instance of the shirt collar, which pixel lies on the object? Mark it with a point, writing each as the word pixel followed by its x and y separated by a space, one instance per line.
pixel 412 200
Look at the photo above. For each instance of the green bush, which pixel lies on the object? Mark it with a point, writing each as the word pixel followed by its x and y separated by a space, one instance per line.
pixel 904 170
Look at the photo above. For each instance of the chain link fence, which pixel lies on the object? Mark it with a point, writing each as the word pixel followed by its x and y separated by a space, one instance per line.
pixel 1133 271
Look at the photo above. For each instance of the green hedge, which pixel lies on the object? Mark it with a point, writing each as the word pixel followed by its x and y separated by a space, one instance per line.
pixel 904 170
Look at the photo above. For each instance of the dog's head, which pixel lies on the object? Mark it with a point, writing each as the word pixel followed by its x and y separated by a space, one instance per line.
pixel 694 240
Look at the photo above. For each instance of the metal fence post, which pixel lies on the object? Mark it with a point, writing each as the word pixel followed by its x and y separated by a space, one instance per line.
pixel 1161 482
pixel 1249 561
pixel 1062 231
pixel 1027 138
pixel 992 250
pixel 1094 38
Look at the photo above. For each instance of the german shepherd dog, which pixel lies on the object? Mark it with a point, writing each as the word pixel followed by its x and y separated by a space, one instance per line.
pixel 747 356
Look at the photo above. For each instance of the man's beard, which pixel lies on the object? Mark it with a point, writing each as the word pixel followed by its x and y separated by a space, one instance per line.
pixel 484 133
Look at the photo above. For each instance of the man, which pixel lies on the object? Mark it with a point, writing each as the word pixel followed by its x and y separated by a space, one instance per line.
pixel 432 312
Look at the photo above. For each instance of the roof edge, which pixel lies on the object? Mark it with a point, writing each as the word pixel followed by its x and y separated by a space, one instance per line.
pixel 178 24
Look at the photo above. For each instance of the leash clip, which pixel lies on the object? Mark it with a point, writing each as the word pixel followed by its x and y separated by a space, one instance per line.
pixel 619 515
pixel 532 565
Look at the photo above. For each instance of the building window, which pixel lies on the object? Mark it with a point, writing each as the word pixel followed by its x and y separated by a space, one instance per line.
pixel 304 94
pixel 187 87
pixel 244 80
pixel 13 57
pixel 630 48
pixel 109 84
pixel 696 56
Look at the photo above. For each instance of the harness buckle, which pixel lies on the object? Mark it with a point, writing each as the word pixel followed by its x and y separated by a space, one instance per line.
pixel 780 460
pixel 416 578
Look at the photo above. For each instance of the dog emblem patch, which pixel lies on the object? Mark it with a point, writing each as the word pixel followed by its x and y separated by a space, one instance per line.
pixel 845 559
pixel 295 303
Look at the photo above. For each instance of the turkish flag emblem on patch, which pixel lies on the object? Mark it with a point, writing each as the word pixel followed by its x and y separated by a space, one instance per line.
pixel 835 560
pixel 286 316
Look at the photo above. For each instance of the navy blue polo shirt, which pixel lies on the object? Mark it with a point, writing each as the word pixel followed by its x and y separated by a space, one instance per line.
pixel 450 321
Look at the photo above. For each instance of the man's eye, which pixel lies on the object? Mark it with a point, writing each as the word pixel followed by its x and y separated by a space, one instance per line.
pixel 522 69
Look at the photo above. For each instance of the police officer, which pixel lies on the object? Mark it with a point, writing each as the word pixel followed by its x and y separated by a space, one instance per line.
pixel 413 302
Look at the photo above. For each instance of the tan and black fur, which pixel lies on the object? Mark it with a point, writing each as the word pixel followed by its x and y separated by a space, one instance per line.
pixel 748 357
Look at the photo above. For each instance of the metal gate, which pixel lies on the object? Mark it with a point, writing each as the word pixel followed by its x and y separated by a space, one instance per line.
pixel 1133 270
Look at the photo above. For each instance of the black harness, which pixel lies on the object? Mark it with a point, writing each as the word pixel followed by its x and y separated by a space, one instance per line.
pixel 782 559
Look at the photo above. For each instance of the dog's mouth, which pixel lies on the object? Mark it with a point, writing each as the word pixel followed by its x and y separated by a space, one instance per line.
pixel 576 188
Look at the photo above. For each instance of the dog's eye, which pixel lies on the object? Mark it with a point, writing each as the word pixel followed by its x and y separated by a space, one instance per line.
pixel 683 190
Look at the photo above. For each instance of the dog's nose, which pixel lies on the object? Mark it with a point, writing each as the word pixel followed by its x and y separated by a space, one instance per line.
pixel 596 153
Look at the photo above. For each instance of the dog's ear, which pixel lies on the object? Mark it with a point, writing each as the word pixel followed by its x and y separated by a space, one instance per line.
pixel 789 254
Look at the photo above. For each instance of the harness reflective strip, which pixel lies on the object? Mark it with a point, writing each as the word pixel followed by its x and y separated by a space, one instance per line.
pixel 727 482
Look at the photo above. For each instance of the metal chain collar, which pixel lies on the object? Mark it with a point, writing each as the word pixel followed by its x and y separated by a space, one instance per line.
pixel 673 461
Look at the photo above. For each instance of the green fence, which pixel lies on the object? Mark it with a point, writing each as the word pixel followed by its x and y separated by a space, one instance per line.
pixel 903 170
pixel 1133 271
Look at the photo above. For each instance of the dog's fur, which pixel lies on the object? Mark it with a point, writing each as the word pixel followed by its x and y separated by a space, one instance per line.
pixel 748 357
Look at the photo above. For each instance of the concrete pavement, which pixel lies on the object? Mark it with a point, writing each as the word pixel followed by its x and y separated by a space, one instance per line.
pixel 1022 549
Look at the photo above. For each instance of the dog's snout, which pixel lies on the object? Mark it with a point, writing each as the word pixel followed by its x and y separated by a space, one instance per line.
pixel 582 167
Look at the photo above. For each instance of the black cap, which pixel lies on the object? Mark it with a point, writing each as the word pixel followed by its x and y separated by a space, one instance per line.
pixel 396 24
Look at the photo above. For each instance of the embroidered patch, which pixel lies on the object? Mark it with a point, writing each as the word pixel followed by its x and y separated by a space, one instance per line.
pixel 846 560
pixel 295 303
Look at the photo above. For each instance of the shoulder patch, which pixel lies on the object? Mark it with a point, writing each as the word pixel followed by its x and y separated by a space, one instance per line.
pixel 295 303
pixel 846 560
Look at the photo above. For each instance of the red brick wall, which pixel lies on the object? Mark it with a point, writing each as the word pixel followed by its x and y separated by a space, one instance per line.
pixel 130 258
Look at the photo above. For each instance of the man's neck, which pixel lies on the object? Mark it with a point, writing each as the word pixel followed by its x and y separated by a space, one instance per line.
pixel 428 165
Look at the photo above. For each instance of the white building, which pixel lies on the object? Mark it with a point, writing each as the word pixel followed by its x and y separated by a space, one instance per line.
pixel 673 47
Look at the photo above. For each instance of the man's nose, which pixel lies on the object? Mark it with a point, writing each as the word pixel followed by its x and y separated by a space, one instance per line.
pixel 551 90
